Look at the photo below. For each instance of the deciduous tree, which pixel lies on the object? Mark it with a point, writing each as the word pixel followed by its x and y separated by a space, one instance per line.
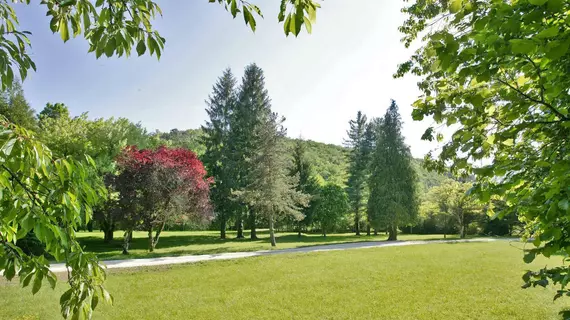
pixel 51 196
pixel 497 72
pixel 157 185
pixel 331 205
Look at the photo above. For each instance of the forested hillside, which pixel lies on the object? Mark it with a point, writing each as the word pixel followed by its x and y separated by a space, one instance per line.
pixel 330 162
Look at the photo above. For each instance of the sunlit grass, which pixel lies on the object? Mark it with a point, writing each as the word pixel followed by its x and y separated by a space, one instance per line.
pixel 177 243
pixel 434 281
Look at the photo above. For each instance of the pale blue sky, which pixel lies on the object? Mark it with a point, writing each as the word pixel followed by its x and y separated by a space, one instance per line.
pixel 318 81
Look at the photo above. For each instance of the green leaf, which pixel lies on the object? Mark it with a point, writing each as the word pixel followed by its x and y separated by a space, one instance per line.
pixel 522 46
pixel 52 279
pixel 27 279
pixel 63 29
pixel 141 48
pixel 455 6
pixel 537 2
pixel 37 282
pixel 563 204
pixel 529 257
pixel 557 49
pixel 110 47
pixel 548 33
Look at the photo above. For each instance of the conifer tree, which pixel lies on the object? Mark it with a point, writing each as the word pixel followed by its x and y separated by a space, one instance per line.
pixel 253 109
pixel 358 165
pixel 393 199
pixel 221 104
pixel 15 108
pixel 271 191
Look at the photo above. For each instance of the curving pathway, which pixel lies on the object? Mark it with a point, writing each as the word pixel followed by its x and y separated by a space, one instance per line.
pixel 133 263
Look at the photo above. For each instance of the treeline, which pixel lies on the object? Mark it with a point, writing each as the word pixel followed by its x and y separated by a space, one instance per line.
pixel 248 175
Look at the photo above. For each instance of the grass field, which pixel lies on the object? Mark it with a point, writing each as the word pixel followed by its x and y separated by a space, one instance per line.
pixel 177 243
pixel 434 281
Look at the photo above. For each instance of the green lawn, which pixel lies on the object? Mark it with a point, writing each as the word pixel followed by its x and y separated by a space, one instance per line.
pixel 435 281
pixel 177 243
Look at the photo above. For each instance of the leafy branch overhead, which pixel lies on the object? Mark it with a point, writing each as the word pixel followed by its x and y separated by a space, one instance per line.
pixel 116 27
pixel 497 72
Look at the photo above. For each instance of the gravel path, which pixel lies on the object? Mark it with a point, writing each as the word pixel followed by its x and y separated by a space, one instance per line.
pixel 132 263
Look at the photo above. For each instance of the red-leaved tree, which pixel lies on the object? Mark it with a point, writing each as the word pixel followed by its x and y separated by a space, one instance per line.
pixel 158 186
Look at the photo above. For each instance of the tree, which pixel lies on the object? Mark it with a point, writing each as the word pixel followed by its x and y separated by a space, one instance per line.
pixel 191 139
pixel 221 104
pixel 331 205
pixel 368 147
pixel 15 108
pixel 358 167
pixel 393 199
pixel 307 184
pixel 54 111
pixel 157 185
pixel 498 73
pixel 272 191
pixel 115 28
pixel 51 197
pixel 455 204
pixel 252 110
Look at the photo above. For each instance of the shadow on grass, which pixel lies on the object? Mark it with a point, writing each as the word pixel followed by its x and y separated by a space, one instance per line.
pixel 198 244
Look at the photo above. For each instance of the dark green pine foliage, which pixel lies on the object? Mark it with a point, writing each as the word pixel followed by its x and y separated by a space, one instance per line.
pixel 358 166
pixel 307 183
pixel 368 147
pixel 393 200
pixel 253 109
pixel 15 108
pixel 216 133
pixel 271 191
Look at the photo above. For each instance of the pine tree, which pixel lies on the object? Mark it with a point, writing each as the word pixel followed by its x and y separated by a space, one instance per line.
pixel 368 147
pixel 393 199
pixel 221 103
pixel 271 190
pixel 307 183
pixel 358 166
pixel 15 108
pixel 252 110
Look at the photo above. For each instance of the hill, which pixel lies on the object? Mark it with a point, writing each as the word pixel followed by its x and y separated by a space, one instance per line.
pixel 330 162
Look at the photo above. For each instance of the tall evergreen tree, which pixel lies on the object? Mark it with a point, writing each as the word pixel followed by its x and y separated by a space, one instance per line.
pixel 307 183
pixel 221 104
pixel 15 108
pixel 271 191
pixel 358 165
pixel 393 199
pixel 368 147
pixel 252 110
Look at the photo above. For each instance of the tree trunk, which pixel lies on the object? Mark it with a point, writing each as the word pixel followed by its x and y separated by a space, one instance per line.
pixel 462 232
pixel 299 230
pixel 392 233
pixel 375 232
pixel 223 227
pixel 239 227
pixel 252 221
pixel 157 236
pixel 150 240
pixel 357 223
pixel 368 229
pixel 108 235
pixel 126 241
pixel 272 233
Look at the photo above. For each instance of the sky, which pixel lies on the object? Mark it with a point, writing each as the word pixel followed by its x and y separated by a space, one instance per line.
pixel 317 81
